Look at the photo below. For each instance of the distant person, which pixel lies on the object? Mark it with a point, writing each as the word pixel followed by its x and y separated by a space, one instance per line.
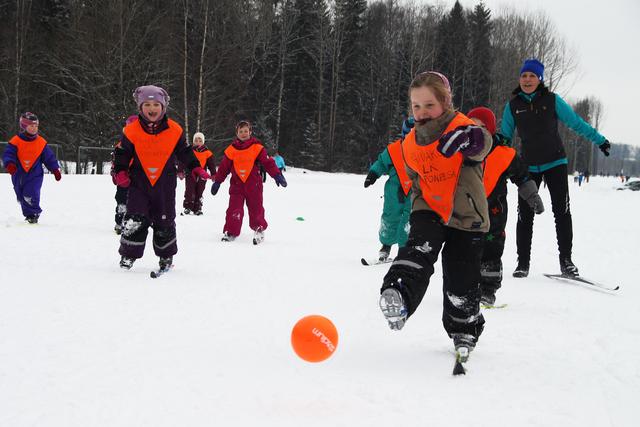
pixel 535 111
pixel 241 160
pixel 280 162
pixel 23 158
pixel 587 174
pixel 145 162
pixel 449 215
pixel 194 186
pixel 121 192
pixel 501 163
pixel 394 222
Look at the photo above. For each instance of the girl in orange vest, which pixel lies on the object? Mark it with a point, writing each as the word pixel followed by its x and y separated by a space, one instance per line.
pixel 145 162
pixel 23 159
pixel 241 159
pixel 443 155
pixel 501 163
pixel 194 187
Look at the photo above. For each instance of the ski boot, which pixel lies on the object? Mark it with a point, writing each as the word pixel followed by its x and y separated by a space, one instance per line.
pixel 464 344
pixel 126 262
pixel 226 237
pixel 567 267
pixel 488 297
pixel 522 270
pixel 31 219
pixel 258 236
pixel 383 255
pixel 393 308
pixel 186 212
pixel 197 213
pixel 165 263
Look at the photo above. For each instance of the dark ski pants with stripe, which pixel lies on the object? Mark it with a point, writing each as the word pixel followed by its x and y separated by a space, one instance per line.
pixel 491 266
pixel 461 252
pixel 146 208
pixel 558 183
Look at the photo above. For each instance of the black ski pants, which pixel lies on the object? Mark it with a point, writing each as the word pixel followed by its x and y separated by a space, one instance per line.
pixel 491 270
pixel 121 204
pixel 558 184
pixel 461 252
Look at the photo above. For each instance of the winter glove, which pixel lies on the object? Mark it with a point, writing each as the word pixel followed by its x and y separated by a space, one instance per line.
pixel 214 188
pixel 57 174
pixel 11 168
pixel 407 125
pixel 122 179
pixel 371 178
pixel 469 140
pixel 529 192
pixel 198 172
pixel 181 175
pixel 280 180
pixel 605 147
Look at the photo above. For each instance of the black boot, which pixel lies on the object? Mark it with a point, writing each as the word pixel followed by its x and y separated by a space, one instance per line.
pixel 31 219
pixel 567 267
pixel 385 250
pixel 522 270
pixel 165 263
pixel 126 263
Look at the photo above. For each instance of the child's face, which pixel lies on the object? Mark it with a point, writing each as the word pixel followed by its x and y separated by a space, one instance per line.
pixel 152 110
pixel 424 104
pixel 197 141
pixel 529 82
pixel 32 129
pixel 243 133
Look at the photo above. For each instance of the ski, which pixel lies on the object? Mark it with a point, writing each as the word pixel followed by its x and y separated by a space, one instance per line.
pixel 258 240
pixel 462 355
pixel 581 280
pixel 492 306
pixel 375 261
pixel 159 272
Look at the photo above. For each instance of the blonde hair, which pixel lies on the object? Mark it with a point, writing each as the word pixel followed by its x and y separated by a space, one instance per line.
pixel 438 83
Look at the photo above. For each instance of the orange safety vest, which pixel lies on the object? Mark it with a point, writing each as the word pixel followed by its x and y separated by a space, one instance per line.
pixel 395 152
pixel 243 160
pixel 202 156
pixel 494 166
pixel 28 151
pixel 438 174
pixel 153 151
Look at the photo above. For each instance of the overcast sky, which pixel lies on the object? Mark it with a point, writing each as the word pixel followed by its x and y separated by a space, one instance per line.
pixel 606 38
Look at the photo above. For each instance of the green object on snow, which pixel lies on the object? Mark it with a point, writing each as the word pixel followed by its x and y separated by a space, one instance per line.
pixel 299 219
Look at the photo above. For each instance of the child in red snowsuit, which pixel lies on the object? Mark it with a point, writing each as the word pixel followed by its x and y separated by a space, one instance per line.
pixel 194 187
pixel 241 159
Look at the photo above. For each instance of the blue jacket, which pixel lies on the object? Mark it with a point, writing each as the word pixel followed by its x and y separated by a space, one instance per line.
pixel 563 112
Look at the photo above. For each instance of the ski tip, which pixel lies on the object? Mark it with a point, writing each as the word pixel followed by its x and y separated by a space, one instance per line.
pixel 364 261
pixel 458 369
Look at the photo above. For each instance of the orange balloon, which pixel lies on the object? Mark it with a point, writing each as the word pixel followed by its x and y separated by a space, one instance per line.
pixel 314 338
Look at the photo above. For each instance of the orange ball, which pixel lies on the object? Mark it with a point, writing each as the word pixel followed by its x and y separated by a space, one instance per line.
pixel 314 338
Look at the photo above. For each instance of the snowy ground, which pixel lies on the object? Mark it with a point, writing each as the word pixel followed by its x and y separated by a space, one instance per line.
pixel 83 343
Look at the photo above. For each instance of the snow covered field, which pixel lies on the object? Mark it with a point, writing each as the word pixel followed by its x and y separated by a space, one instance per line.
pixel 83 343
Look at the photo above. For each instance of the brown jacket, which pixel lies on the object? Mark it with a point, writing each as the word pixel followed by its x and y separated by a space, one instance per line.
pixel 470 209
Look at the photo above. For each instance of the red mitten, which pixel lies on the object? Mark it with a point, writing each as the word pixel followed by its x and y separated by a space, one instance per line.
pixel 122 179
pixel 11 168
pixel 198 172
pixel 57 174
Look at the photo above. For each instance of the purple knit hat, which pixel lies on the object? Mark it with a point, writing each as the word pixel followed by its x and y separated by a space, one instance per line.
pixel 27 119
pixel 151 93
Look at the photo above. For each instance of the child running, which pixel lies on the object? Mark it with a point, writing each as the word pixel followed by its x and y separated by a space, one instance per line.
pixel 241 159
pixel 23 159
pixel 194 187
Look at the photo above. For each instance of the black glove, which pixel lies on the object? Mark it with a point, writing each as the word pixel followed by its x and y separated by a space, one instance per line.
pixel 605 147
pixel 407 125
pixel 529 192
pixel 215 187
pixel 370 179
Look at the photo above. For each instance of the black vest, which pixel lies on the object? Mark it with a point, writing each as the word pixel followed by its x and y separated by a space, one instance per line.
pixel 537 125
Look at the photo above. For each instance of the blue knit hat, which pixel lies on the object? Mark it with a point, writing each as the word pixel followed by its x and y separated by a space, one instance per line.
pixel 534 66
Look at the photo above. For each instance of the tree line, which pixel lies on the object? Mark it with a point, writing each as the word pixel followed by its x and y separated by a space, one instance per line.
pixel 324 82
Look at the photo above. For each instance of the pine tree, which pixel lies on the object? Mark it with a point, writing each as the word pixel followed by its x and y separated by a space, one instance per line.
pixel 480 58
pixel 452 52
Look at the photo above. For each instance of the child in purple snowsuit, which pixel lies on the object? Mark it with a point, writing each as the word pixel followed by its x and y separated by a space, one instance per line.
pixel 241 159
pixel 23 159
pixel 145 162
pixel 195 187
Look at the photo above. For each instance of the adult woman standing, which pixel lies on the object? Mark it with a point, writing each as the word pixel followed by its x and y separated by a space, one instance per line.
pixel 534 111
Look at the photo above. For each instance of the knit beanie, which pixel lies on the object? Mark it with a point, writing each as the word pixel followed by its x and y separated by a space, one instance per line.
pixel 486 116
pixel 27 119
pixel 151 93
pixel 198 135
pixel 534 66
